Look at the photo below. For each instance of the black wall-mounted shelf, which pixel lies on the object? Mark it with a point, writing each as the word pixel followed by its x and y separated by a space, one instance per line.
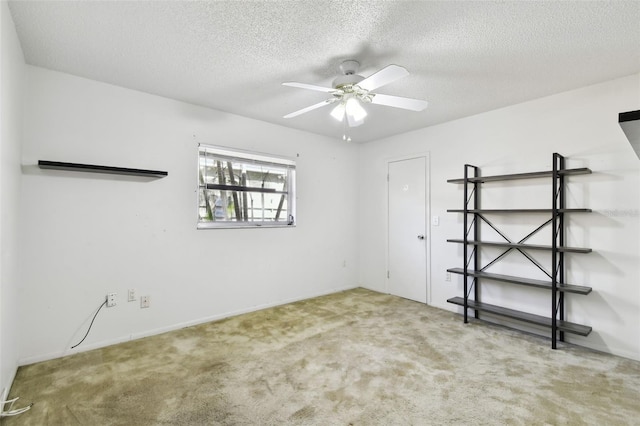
pixel 623 117
pixel 473 273
pixel 630 124
pixel 92 168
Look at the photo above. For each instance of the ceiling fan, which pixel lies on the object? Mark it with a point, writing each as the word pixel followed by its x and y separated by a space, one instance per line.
pixel 351 90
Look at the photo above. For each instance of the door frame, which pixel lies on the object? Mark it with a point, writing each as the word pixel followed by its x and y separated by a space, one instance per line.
pixel 427 218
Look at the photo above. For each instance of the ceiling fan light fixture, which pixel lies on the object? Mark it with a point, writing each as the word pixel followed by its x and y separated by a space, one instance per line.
pixel 338 111
pixel 355 110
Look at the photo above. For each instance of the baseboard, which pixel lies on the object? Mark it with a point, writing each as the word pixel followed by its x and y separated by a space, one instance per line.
pixel 589 343
pixel 178 326
pixel 600 347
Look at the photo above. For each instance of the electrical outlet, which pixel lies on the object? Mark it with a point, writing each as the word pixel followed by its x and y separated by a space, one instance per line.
pixel 435 220
pixel 448 276
pixel 132 295
pixel 111 300
pixel 145 301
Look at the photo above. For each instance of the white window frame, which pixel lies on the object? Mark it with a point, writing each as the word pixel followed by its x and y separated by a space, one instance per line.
pixel 251 159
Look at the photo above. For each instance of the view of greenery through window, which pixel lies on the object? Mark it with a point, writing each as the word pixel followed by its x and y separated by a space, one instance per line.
pixel 244 189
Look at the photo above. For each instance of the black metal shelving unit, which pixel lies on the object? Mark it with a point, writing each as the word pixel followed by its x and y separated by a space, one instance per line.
pixel 473 272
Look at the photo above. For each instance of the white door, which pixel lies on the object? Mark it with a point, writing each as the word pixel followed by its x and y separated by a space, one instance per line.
pixel 407 262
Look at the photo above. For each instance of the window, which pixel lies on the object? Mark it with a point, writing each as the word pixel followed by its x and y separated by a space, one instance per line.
pixel 240 189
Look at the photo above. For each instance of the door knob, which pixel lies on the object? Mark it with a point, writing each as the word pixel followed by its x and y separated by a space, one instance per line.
pixel 421 237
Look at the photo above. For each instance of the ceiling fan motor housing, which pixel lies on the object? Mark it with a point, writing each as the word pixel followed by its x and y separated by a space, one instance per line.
pixel 347 80
pixel 349 77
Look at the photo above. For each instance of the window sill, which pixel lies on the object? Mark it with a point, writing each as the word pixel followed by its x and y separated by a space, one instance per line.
pixel 243 225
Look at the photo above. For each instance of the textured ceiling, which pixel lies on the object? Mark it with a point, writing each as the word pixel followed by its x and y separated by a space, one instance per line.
pixel 464 57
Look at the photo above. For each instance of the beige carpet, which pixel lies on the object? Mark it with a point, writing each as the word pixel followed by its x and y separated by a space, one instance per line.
pixel 352 358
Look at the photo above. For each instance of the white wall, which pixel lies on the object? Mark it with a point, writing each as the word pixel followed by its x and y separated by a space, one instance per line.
pixel 85 235
pixel 11 85
pixel 581 125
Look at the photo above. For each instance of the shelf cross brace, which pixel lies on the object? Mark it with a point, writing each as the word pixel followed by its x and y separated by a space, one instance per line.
pixel 524 253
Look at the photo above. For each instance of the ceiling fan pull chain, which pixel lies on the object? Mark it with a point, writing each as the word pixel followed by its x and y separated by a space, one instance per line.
pixel 345 136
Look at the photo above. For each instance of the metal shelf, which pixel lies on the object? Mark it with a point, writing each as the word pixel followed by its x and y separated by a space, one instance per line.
pixel 529 175
pixel 519 211
pixel 565 326
pixel 522 246
pixel 568 288
pixel 92 168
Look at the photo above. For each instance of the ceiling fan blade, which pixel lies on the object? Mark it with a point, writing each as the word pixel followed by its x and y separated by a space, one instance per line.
pixel 310 108
pixel 309 87
pixel 386 75
pixel 399 102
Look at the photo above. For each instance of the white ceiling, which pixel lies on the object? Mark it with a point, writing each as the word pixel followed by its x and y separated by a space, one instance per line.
pixel 464 57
